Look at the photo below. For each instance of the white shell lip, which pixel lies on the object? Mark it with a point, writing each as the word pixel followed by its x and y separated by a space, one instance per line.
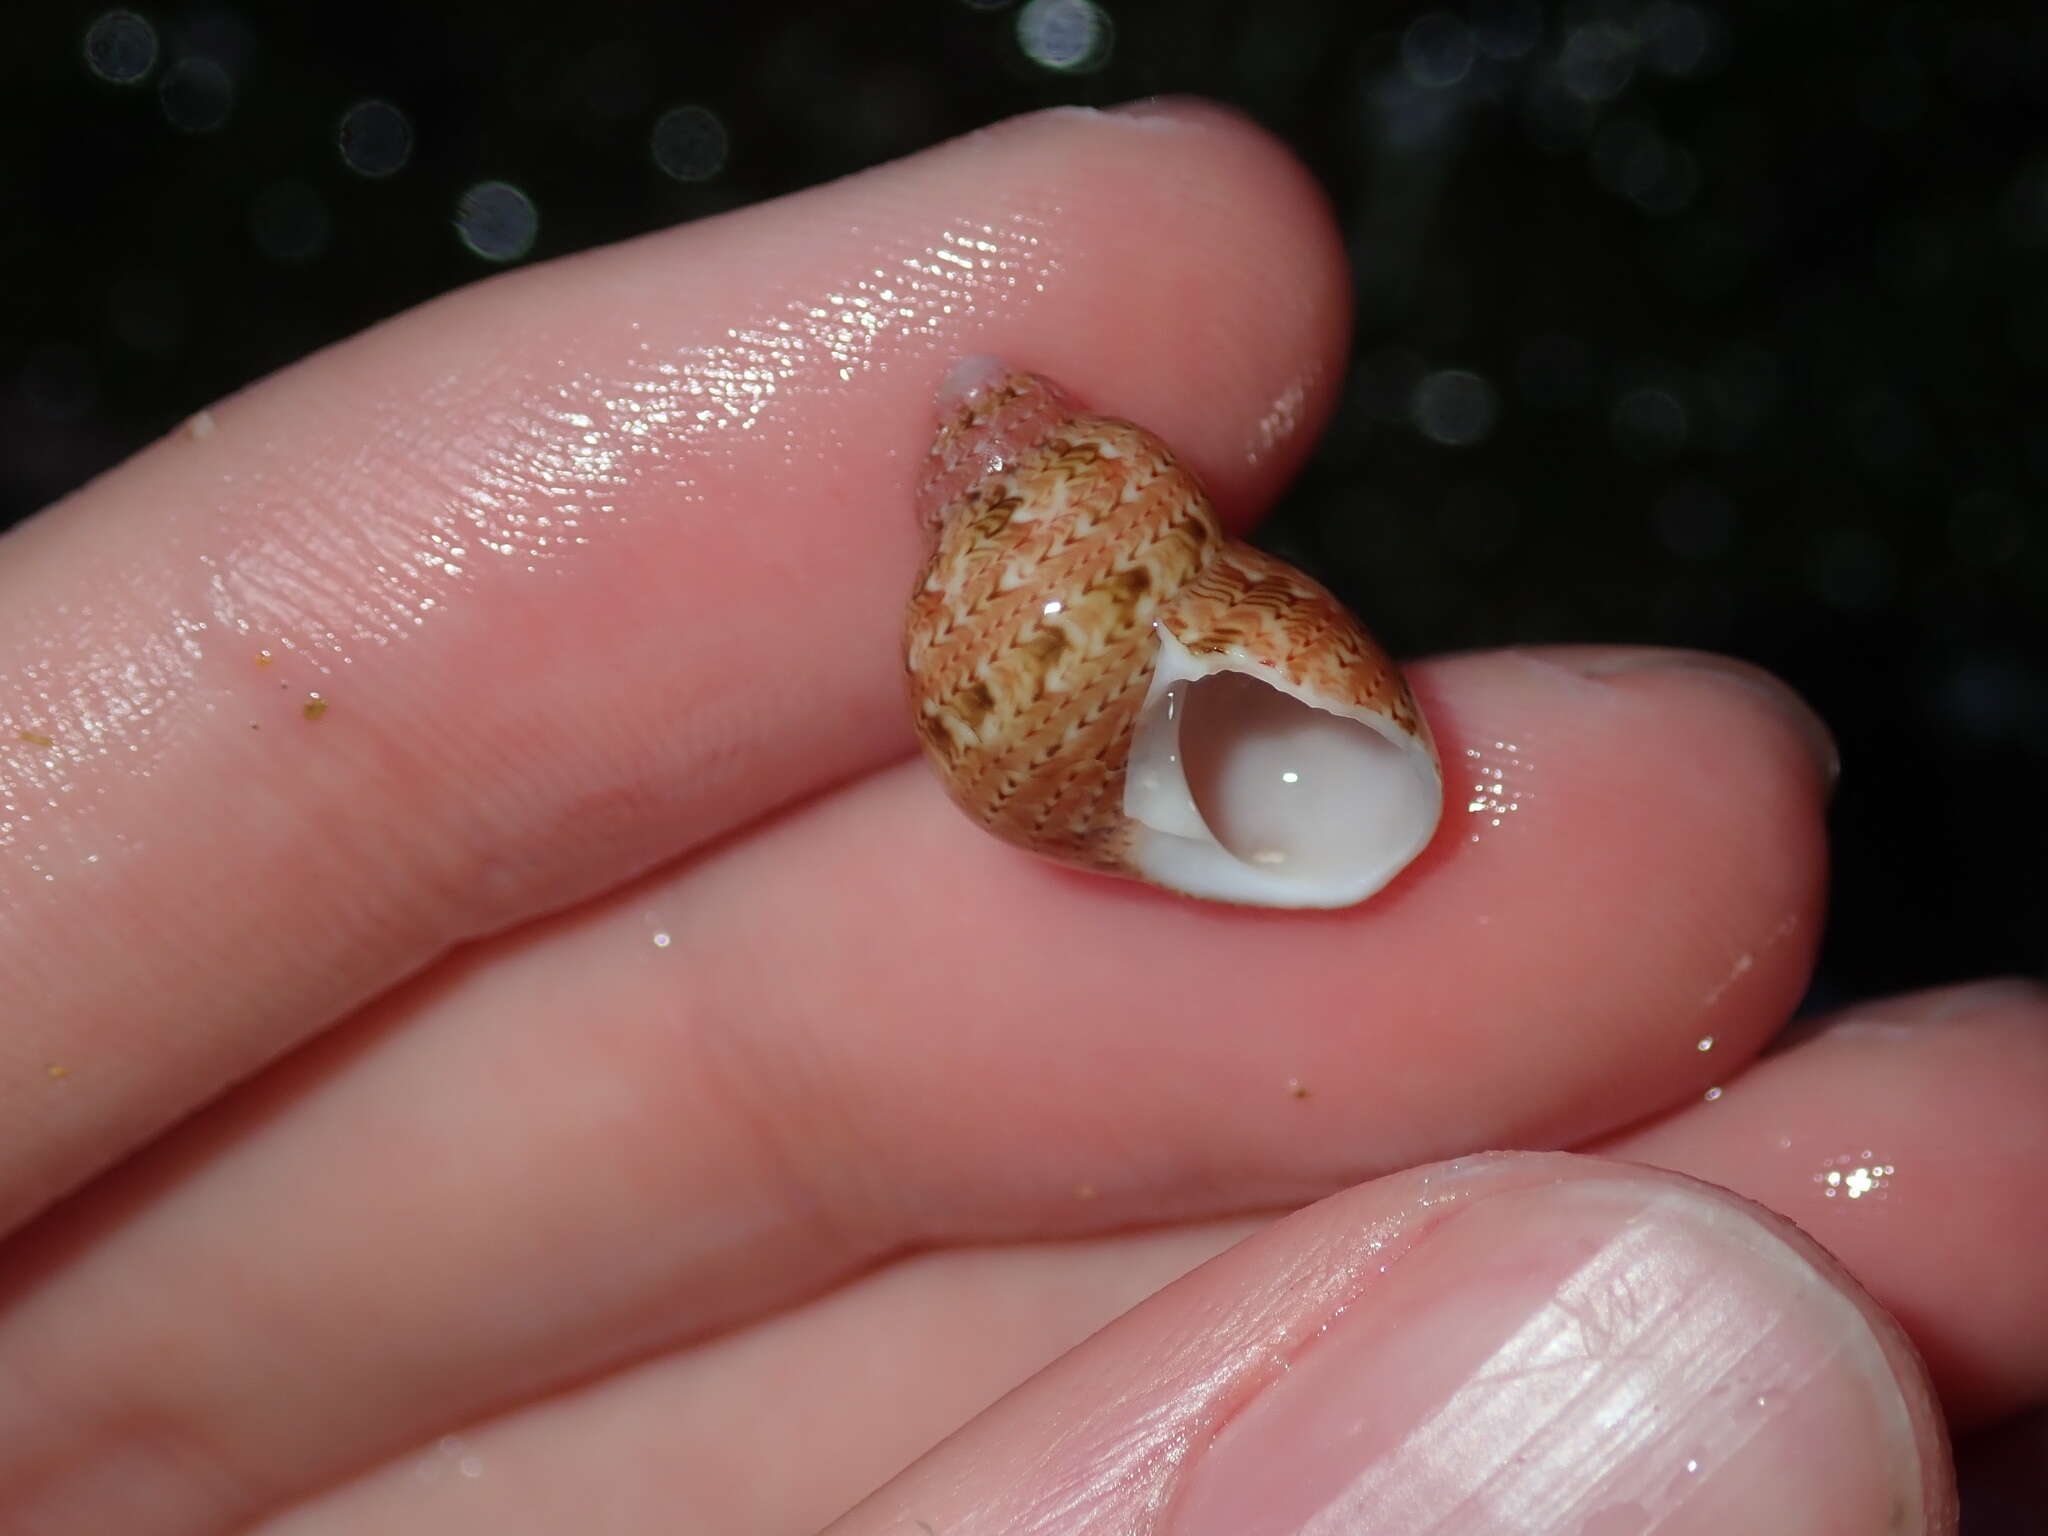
pixel 969 376
pixel 1313 811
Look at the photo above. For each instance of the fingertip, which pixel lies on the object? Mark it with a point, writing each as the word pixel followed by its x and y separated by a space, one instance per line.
pixel 1778 696
pixel 1580 1336
pixel 1198 201
pixel 1506 1342
pixel 1903 1133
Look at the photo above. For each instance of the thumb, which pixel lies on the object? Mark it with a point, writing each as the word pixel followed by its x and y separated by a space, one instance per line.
pixel 1517 1342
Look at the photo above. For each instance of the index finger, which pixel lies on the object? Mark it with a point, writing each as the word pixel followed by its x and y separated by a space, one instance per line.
pixel 559 577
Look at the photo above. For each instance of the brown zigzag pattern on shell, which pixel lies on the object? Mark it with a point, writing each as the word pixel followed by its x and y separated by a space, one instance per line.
pixel 1060 540
pixel 1027 713
pixel 1248 601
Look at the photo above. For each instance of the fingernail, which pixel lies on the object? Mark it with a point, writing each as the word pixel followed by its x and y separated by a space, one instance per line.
pixel 1600 1355
pixel 1772 690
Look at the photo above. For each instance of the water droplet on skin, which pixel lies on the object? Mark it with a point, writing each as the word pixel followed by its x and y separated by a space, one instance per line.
pixel 1854 1177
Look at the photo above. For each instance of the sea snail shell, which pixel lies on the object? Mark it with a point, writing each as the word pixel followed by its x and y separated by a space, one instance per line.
pixel 1100 676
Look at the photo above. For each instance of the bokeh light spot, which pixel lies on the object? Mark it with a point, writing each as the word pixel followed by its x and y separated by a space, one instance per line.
pixel 497 221
pixel 1991 698
pixel 689 143
pixel 1436 50
pixel 196 95
pixel 1650 423
pixel 1557 120
pixel 1455 407
pixel 375 139
pixel 1507 29
pixel 120 46
pixel 1068 35
pixel 1597 61
pixel 1679 38
pixel 1633 160
pixel 290 223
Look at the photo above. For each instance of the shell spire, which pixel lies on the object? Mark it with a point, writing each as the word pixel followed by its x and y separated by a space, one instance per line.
pixel 1099 675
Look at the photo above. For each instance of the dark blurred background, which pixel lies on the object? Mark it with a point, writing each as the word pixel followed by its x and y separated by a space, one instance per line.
pixel 1678 321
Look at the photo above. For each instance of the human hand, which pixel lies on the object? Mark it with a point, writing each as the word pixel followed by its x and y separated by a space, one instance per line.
pixel 661 1111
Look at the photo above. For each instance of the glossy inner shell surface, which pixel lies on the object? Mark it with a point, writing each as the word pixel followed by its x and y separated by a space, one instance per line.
pixel 1070 553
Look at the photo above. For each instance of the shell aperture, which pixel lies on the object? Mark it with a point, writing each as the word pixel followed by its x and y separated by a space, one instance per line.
pixel 1099 675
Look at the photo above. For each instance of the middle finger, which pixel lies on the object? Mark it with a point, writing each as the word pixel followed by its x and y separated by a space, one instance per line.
pixel 869 1028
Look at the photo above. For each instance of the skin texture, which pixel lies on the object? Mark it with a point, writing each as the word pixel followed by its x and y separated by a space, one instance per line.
pixel 854 1375
pixel 624 1061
